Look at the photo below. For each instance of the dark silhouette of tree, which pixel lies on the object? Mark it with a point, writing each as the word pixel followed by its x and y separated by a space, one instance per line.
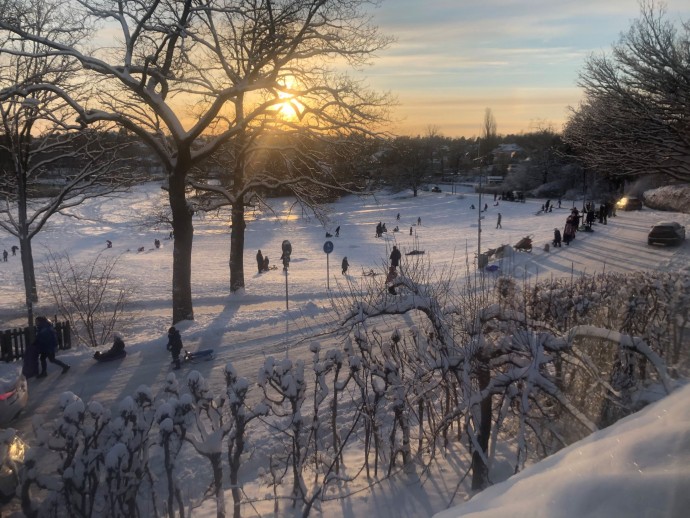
pixel 633 120
pixel 49 165
pixel 190 77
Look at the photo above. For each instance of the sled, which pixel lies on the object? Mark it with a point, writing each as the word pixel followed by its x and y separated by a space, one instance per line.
pixel 108 356
pixel 198 356
pixel 524 245
pixel 415 252
pixel 370 273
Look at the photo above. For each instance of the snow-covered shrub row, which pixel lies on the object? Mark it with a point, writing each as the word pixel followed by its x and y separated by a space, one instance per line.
pixel 417 372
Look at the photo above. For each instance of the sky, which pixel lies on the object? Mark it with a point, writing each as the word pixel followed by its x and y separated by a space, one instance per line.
pixel 642 457
pixel 453 59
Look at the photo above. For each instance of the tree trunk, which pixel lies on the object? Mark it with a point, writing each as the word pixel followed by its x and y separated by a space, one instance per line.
pixel 26 253
pixel 237 246
pixel 28 270
pixel 480 471
pixel 182 248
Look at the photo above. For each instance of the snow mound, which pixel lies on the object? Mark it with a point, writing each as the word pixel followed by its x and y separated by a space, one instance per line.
pixel 669 197
pixel 640 466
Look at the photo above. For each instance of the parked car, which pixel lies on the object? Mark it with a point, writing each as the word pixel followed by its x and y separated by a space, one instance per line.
pixel 629 204
pixel 14 392
pixel 436 188
pixel 666 233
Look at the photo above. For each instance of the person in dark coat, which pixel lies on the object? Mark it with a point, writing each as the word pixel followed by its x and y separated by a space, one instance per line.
pixel 337 231
pixel 174 346
pixel 14 249
pixel 266 263
pixel 117 349
pixel 46 343
pixel 395 257
pixel 498 222
pixel 345 265
pixel 260 261
pixel 556 237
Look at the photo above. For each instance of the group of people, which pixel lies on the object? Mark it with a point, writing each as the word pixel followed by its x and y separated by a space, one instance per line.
pixel 45 345
pixel 262 262
pixel 576 220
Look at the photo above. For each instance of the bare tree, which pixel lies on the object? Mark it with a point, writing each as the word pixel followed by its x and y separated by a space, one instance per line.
pixel 633 120
pixel 489 133
pixel 190 77
pixel 49 164
pixel 87 295
pixel 408 162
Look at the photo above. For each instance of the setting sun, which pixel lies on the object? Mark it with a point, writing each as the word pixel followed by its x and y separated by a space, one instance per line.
pixel 290 108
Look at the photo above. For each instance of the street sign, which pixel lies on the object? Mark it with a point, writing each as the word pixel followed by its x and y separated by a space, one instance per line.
pixel 328 247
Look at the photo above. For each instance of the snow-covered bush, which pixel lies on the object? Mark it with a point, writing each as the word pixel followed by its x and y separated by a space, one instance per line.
pixel 508 366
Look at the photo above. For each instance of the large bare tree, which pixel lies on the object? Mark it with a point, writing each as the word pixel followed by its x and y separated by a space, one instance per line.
pixel 635 116
pixel 192 76
pixel 49 165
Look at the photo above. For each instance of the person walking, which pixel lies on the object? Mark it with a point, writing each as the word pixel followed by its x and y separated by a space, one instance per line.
pixel 345 265
pixel 174 346
pixel 14 249
pixel 46 343
pixel 419 221
pixel 556 237
pixel 395 258
pixel 4 255
pixel 337 231
pixel 498 223
pixel 260 261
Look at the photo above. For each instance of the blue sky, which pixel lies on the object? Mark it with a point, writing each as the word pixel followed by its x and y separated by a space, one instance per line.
pixel 453 59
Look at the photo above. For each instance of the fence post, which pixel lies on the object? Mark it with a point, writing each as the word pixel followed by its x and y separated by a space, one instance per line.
pixel 6 346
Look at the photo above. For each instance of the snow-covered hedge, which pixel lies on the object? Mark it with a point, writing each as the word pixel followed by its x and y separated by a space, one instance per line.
pixel 532 367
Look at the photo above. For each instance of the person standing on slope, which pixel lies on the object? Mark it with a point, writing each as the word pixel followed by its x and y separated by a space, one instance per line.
pixel 174 346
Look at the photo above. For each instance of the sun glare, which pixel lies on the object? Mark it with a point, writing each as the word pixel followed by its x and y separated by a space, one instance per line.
pixel 290 107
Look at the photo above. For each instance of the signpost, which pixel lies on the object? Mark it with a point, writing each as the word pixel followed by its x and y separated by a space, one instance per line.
pixel 328 248
pixel 287 251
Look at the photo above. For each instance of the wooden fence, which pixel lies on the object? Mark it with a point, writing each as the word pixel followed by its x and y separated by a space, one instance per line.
pixel 13 342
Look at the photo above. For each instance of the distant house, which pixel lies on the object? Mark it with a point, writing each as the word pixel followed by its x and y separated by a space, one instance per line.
pixel 507 151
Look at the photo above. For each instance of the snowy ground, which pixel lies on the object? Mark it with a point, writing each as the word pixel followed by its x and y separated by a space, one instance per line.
pixel 246 327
